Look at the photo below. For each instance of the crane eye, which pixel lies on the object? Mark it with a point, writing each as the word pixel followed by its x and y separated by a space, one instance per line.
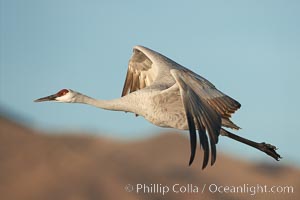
pixel 62 92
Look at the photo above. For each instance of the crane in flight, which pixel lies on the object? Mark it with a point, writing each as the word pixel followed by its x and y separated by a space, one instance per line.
pixel 170 95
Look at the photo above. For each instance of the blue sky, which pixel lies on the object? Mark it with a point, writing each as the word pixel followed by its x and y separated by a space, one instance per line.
pixel 249 49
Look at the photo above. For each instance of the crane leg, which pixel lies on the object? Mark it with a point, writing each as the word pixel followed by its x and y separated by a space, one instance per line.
pixel 264 147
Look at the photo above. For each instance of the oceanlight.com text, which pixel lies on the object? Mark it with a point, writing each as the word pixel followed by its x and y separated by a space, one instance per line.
pixel 250 189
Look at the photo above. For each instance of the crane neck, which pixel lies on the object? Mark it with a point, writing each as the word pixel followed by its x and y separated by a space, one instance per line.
pixel 114 104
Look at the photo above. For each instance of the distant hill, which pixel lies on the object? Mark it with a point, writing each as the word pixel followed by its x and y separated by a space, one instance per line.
pixel 40 166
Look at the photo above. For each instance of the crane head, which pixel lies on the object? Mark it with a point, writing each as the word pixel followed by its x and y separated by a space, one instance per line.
pixel 64 95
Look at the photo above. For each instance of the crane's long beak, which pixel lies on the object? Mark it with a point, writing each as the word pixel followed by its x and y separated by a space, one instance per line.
pixel 48 98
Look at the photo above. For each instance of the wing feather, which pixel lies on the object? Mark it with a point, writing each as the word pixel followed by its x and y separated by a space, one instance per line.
pixel 199 112
pixel 151 68
pixel 220 102
pixel 128 83
pixel 141 70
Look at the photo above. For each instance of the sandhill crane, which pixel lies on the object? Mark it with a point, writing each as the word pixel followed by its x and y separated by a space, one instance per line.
pixel 170 95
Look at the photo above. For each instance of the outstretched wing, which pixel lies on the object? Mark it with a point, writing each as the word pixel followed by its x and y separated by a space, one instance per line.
pixel 205 106
pixel 143 69
pixel 224 105
pixel 139 74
